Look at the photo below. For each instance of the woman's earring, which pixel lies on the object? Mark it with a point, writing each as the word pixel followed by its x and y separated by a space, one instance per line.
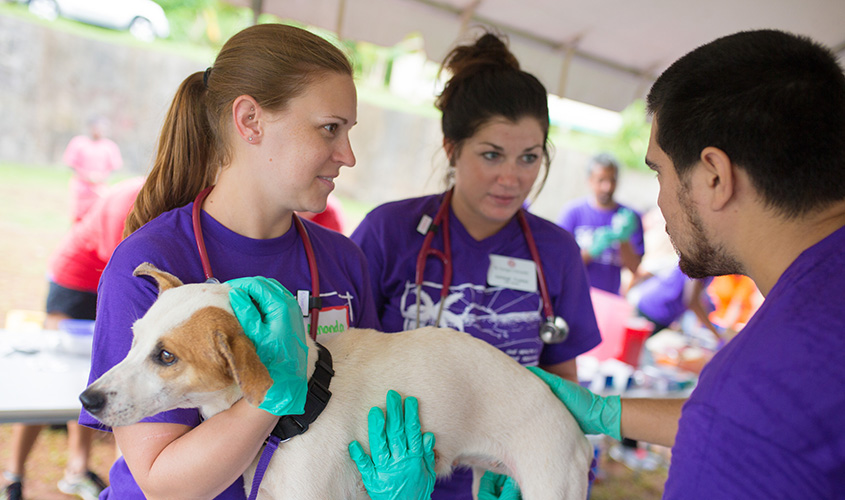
pixel 250 138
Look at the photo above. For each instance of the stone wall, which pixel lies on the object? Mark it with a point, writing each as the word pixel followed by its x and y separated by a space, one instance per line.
pixel 52 82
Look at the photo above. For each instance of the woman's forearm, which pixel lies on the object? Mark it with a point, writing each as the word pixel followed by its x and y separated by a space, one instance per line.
pixel 175 461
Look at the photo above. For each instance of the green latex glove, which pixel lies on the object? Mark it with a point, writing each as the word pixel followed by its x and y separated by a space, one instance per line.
pixel 602 239
pixel 402 466
pixel 595 414
pixel 623 224
pixel 272 319
pixel 498 487
pixel 621 228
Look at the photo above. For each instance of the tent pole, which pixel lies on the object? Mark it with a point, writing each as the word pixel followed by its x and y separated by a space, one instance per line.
pixel 341 9
pixel 257 9
pixel 568 53
pixel 466 16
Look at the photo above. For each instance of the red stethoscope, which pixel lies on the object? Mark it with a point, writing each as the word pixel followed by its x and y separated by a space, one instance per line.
pixel 554 329
pixel 313 301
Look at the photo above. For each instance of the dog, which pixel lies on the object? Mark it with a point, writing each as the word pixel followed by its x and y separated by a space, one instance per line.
pixel 485 410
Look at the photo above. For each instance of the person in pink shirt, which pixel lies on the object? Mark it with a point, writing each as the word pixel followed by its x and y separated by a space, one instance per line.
pixel 74 272
pixel 93 158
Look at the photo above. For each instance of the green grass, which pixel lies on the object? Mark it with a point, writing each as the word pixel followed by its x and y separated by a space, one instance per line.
pixel 18 183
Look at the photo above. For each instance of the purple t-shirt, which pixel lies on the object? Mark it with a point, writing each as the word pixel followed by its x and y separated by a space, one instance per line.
pixel 581 219
pixel 168 243
pixel 506 318
pixel 765 420
pixel 664 297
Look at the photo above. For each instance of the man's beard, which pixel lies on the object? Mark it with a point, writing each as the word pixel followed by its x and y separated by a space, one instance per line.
pixel 702 259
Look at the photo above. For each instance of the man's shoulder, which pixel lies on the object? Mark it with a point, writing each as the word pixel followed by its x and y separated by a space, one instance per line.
pixel 574 212
pixel 576 205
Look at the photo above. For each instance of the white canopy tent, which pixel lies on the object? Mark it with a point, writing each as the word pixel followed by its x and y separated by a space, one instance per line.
pixel 601 52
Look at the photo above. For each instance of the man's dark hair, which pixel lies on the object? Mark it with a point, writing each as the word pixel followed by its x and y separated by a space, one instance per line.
pixel 774 102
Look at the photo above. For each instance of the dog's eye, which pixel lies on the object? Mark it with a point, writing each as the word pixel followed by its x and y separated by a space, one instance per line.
pixel 166 358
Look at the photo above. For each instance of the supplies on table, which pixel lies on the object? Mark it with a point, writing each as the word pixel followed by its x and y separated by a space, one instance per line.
pixel 76 336
pixel 670 348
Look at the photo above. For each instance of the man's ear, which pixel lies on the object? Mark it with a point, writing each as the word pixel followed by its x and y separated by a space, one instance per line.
pixel 720 176
pixel 247 117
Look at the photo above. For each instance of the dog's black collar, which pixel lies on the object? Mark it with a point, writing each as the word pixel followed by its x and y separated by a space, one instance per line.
pixel 315 402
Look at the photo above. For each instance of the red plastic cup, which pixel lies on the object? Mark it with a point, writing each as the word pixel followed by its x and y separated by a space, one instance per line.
pixel 637 330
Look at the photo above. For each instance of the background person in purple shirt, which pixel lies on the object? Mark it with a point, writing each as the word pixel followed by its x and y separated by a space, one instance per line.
pixel 495 126
pixel 610 234
pixel 663 297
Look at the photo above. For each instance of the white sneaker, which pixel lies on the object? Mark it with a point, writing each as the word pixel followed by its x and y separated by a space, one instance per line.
pixel 87 487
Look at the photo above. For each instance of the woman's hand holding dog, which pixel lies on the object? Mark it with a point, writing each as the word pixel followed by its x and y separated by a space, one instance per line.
pixel 272 319
pixel 402 465
pixel 498 487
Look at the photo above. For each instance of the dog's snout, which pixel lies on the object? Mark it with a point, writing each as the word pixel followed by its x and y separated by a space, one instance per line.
pixel 93 401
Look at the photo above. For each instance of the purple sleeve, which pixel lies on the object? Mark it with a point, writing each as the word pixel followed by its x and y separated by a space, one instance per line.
pixel 568 284
pixel 366 237
pixel 637 239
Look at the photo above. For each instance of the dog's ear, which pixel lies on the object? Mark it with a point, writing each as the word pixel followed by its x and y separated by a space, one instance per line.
pixel 245 365
pixel 165 280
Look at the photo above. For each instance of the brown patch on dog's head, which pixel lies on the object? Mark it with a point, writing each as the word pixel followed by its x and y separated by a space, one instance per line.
pixel 214 353
pixel 245 366
pixel 165 280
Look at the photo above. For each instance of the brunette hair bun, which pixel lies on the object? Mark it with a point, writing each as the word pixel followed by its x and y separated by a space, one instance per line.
pixel 488 53
pixel 487 83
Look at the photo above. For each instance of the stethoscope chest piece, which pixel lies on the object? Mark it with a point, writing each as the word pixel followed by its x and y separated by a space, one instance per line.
pixel 554 331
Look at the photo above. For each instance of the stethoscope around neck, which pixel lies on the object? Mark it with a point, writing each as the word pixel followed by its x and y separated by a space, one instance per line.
pixel 314 302
pixel 554 329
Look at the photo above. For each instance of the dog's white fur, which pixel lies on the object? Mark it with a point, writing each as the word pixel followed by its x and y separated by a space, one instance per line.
pixel 485 410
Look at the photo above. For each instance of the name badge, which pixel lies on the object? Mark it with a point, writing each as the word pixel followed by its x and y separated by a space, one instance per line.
pixel 513 273
pixel 424 224
pixel 331 321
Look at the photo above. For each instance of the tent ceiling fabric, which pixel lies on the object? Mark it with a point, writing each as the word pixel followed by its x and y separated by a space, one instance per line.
pixel 601 52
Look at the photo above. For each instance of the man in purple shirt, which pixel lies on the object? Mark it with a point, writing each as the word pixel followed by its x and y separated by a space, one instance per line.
pixel 752 181
pixel 610 234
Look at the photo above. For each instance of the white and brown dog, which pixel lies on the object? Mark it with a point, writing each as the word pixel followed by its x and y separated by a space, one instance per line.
pixel 486 411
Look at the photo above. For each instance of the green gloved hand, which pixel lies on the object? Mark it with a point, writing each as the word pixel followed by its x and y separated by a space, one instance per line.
pixel 621 228
pixel 272 319
pixel 498 487
pixel 623 224
pixel 602 239
pixel 402 466
pixel 595 414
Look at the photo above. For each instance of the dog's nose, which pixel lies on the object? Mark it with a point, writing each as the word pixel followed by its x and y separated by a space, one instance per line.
pixel 93 401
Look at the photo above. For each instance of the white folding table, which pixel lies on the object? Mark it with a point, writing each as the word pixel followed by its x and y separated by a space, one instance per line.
pixel 40 379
